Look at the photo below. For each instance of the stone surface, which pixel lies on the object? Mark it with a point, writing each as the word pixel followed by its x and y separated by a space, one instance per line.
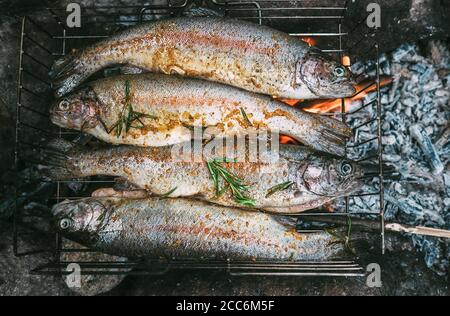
pixel 401 22
pixel 15 277
pixel 8 76
pixel 91 285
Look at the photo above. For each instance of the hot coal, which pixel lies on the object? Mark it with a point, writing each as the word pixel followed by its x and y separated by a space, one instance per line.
pixel 415 138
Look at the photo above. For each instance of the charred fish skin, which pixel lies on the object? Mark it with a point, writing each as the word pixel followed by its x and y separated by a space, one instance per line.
pixel 305 179
pixel 234 52
pixel 180 228
pixel 170 107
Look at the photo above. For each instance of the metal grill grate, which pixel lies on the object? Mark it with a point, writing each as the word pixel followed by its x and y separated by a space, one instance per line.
pixel 45 38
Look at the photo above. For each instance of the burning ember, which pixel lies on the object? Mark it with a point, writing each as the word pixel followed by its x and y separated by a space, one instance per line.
pixel 288 140
pixel 309 40
pixel 416 134
pixel 346 61
pixel 364 88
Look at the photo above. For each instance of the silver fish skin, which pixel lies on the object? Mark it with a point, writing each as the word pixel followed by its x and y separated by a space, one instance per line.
pixel 180 228
pixel 234 52
pixel 313 178
pixel 174 106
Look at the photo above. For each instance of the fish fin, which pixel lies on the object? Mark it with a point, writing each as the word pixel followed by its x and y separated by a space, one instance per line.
pixel 289 222
pixel 62 146
pixel 67 73
pixel 111 192
pixel 131 70
pixel 122 184
pixel 328 135
pixel 55 158
pixel 104 192
pixel 299 208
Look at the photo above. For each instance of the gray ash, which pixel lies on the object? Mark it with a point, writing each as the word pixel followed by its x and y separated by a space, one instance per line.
pixel 416 134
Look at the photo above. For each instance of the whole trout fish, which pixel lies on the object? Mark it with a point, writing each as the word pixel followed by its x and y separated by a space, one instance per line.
pixel 154 228
pixel 234 52
pixel 159 110
pixel 291 180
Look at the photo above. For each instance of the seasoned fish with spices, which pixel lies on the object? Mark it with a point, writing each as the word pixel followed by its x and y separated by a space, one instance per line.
pixel 290 180
pixel 234 52
pixel 159 110
pixel 180 228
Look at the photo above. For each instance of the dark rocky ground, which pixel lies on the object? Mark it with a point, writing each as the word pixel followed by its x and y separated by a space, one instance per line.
pixel 403 270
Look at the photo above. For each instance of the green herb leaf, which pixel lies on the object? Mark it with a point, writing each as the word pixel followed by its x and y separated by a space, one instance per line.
pixel 128 117
pixel 244 114
pixel 345 239
pixel 232 182
pixel 127 90
pixel 279 187
pixel 214 176
pixel 166 195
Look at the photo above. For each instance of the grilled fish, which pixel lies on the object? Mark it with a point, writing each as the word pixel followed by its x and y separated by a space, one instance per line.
pixel 234 52
pixel 158 110
pixel 290 180
pixel 154 228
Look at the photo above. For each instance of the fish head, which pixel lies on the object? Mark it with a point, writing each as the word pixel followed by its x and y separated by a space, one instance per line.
pixel 77 111
pixel 324 77
pixel 332 176
pixel 81 218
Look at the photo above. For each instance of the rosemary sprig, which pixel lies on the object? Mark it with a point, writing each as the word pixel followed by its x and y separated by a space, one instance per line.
pixel 166 195
pixel 232 182
pixel 345 239
pixel 279 187
pixel 128 117
pixel 244 114
pixel 127 91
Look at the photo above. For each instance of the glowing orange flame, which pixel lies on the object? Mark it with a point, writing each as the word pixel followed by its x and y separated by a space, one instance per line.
pixel 332 105
pixel 329 207
pixel 346 61
pixel 325 106
pixel 291 102
pixel 288 140
pixel 309 40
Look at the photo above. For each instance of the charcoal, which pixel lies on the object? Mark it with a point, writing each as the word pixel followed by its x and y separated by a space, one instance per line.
pixel 444 139
pixel 358 68
pixel 415 140
pixel 425 143
pixel 447 202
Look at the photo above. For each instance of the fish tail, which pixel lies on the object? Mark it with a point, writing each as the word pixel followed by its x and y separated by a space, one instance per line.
pixel 325 134
pixel 56 157
pixel 67 73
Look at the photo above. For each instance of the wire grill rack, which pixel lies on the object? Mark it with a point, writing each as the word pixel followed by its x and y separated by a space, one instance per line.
pixel 45 37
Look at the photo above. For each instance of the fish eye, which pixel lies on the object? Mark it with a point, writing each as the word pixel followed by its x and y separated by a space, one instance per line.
pixel 345 168
pixel 64 105
pixel 339 71
pixel 65 223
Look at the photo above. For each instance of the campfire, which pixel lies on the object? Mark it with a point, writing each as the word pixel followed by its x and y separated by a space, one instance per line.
pixel 332 106
pixel 407 133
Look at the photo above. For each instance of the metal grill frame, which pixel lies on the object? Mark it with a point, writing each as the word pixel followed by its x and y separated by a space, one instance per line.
pixel 343 268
